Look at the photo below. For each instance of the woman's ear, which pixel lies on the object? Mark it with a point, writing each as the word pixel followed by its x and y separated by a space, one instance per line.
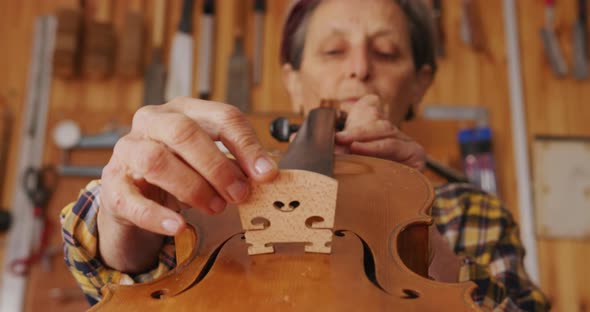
pixel 292 81
pixel 424 78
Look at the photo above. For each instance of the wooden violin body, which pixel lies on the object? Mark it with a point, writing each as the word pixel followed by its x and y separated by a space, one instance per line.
pixel 373 258
pixel 381 231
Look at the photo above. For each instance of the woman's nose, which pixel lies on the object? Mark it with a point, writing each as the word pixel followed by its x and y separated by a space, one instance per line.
pixel 359 67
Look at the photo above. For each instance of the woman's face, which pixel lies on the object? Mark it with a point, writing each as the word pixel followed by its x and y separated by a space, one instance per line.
pixel 354 48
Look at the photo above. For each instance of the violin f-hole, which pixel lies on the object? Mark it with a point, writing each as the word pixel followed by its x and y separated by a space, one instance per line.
pixel 159 294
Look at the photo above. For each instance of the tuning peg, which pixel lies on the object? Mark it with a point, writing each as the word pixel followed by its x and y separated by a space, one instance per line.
pixel 281 129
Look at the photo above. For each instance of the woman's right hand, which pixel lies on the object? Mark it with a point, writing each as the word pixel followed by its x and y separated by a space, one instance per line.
pixel 170 161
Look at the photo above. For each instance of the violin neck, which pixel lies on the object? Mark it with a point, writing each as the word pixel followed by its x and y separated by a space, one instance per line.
pixel 313 147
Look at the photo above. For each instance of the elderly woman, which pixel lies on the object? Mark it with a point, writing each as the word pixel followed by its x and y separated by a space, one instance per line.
pixel 376 58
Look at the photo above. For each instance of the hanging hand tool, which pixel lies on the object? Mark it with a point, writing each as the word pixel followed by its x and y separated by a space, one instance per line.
pixel 437 8
pixel 5 220
pixel 5 130
pixel 472 28
pixel 551 43
pixel 68 136
pixel 39 184
pixel 238 75
pixel 205 73
pixel 464 30
pixel 66 59
pixel 32 143
pixel 129 60
pixel 155 74
pixel 580 40
pixel 259 9
pixel 99 42
pixel 180 75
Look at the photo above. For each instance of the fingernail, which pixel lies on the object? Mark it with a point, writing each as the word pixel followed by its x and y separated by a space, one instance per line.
pixel 170 225
pixel 342 133
pixel 263 165
pixel 238 190
pixel 217 204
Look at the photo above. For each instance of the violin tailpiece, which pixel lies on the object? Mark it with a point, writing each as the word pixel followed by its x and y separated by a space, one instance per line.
pixel 298 207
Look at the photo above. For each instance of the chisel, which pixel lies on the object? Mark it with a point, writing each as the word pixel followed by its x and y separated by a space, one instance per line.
pixel 129 60
pixel 474 26
pixel 238 75
pixel 206 50
pixel 99 43
pixel 437 8
pixel 66 58
pixel 551 43
pixel 259 8
pixel 180 75
pixel 155 74
pixel 580 40
pixel 5 127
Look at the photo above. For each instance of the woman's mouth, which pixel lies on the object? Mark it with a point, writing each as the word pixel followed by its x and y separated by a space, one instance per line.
pixel 350 100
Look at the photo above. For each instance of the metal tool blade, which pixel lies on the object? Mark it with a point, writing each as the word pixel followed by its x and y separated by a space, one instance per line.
pixel 238 86
pixel 551 44
pixel 580 43
pixel 205 61
pixel 154 80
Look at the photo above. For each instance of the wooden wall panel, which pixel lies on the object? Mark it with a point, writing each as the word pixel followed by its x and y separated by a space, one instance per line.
pixel 470 78
pixel 556 107
pixel 465 78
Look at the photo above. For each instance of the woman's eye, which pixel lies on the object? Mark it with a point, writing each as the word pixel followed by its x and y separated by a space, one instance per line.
pixel 388 55
pixel 334 52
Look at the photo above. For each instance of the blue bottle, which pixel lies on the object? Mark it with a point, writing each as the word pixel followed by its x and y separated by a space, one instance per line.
pixel 478 158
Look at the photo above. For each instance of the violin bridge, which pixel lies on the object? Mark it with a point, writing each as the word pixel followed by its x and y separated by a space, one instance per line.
pixel 297 207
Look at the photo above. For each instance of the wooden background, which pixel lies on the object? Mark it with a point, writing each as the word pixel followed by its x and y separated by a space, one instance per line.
pixel 557 107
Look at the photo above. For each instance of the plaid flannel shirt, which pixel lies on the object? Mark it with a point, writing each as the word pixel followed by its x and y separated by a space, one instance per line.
pixel 474 223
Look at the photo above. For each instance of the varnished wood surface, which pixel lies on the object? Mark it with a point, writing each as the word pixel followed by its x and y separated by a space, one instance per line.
pixel 290 280
pixel 465 78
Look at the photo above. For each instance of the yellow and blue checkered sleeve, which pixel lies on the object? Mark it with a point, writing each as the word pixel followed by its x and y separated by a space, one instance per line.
pixel 80 237
pixel 481 230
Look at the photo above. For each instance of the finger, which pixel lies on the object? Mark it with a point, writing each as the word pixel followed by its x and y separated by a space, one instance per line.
pixel 341 149
pixel 124 201
pixel 228 124
pixel 366 110
pixel 375 130
pixel 191 143
pixel 407 153
pixel 159 166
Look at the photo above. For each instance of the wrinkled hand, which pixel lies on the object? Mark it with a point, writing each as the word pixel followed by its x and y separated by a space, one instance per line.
pixel 169 161
pixel 368 132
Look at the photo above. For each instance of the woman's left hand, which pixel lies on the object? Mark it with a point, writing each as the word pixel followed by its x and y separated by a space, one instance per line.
pixel 368 132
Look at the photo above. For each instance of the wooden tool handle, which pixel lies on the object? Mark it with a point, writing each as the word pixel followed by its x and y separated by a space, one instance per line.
pixel 186 18
pixel 5 133
pixel 135 5
pixel 158 30
pixel 474 19
pixel 103 11
pixel 239 18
